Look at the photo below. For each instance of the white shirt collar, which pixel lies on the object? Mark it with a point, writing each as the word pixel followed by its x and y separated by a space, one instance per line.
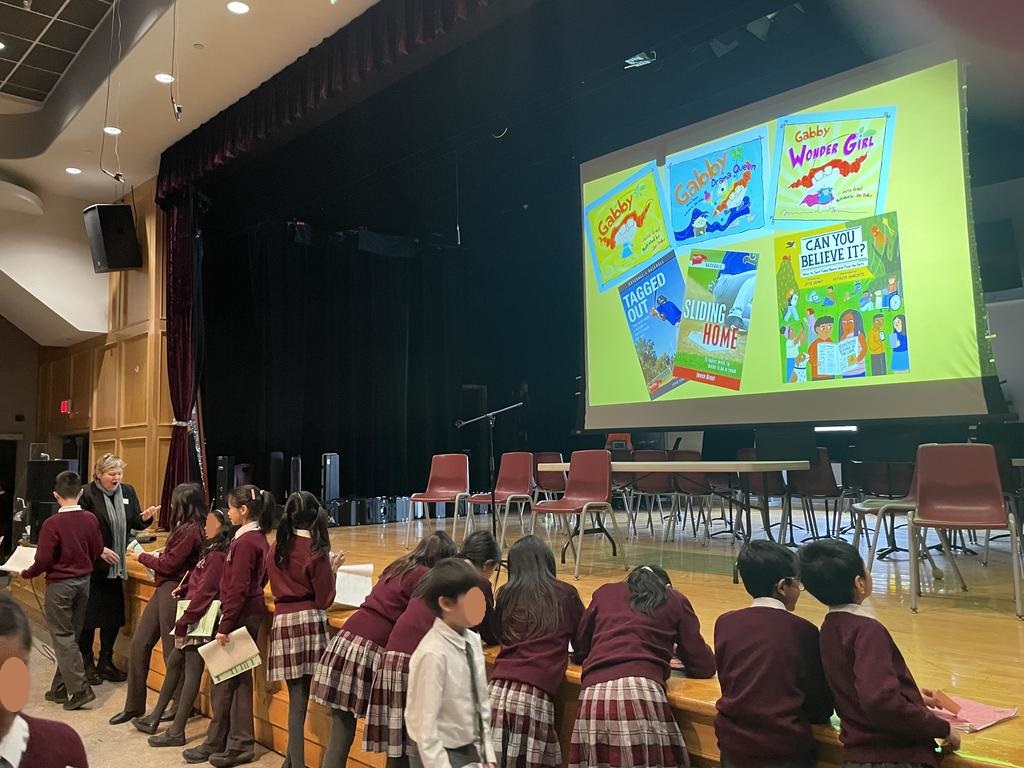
pixel 767 602
pixel 449 634
pixel 856 610
pixel 72 508
pixel 247 528
pixel 303 534
pixel 14 744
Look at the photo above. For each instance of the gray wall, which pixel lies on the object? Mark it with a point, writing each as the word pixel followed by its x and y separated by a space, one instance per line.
pixel 19 373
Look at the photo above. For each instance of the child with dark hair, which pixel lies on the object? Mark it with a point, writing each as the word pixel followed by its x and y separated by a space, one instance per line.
pixel 624 642
pixel 301 572
pixel 69 545
pixel 769 667
pixel 536 617
pixel 29 742
pixel 231 738
pixel 482 550
pixel 885 716
pixel 447 714
pixel 185 665
pixel 344 675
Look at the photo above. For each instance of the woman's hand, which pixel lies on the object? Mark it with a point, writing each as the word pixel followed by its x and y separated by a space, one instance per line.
pixel 337 560
pixel 109 556
pixel 222 638
pixel 150 512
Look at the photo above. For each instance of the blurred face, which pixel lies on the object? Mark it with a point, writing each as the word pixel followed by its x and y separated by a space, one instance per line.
pixel 213 526
pixel 464 611
pixel 11 649
pixel 111 479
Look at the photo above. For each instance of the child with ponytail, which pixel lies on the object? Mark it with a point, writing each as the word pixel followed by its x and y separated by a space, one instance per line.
pixel 624 642
pixel 231 737
pixel 301 572
pixel 344 674
pixel 536 618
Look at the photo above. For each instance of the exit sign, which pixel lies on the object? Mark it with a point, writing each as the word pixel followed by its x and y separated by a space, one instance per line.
pixel 65 407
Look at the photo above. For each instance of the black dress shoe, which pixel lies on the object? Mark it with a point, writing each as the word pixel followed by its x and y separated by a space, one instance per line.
pixel 231 758
pixel 124 717
pixel 57 697
pixel 80 699
pixel 196 755
pixel 109 672
pixel 168 739
pixel 169 715
pixel 144 724
pixel 92 675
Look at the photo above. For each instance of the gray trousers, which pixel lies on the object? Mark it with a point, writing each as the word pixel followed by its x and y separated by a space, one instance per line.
pixel 459 758
pixel 64 608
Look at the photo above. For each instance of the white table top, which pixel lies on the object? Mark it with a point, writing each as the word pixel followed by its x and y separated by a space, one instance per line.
pixel 1018 462
pixel 692 466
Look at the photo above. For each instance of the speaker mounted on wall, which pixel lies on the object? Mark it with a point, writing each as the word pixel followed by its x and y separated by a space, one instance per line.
pixel 112 238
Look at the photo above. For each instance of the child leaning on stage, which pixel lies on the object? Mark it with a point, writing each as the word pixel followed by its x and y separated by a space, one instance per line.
pixel 448 714
pixel 885 717
pixel 624 642
pixel 769 667
pixel 70 543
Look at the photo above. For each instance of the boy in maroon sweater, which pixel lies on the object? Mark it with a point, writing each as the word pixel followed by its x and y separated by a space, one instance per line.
pixel 70 543
pixel 885 717
pixel 769 667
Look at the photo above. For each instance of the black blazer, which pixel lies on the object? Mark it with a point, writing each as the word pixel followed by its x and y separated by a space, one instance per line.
pixel 92 499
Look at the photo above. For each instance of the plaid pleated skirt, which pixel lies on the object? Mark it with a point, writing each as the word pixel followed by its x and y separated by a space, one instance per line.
pixel 344 674
pixel 385 716
pixel 626 723
pixel 523 726
pixel 297 641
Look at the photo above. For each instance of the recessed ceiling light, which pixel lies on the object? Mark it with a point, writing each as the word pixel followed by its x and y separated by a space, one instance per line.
pixel 238 8
pixel 112 130
pixel 164 77
pixel 2 45
pixel 72 170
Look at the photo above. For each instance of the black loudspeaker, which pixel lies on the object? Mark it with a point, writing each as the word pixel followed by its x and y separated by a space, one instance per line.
pixel 243 475
pixel 37 514
pixel 330 477
pixel 112 239
pixel 276 475
pixel 295 478
pixel 225 477
pixel 40 475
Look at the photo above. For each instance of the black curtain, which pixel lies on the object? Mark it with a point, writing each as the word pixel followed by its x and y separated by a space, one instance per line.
pixel 315 346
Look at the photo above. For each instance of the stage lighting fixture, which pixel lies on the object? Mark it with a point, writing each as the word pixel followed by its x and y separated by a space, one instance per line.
pixel 2 45
pixel 721 48
pixel 641 59
pixel 759 27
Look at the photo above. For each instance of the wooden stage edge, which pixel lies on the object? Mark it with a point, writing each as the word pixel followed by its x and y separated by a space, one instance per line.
pixel 968 644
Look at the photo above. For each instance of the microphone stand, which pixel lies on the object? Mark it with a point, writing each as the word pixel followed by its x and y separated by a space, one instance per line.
pixel 490 443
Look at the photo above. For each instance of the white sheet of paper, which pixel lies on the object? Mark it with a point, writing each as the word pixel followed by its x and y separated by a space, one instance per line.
pixel 352 584
pixel 22 558
pixel 134 546
pixel 226 661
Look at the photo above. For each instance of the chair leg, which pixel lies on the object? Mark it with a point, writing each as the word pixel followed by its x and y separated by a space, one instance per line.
pixel 944 538
pixel 504 524
pixel 1016 567
pixel 988 540
pixel 622 544
pixel 915 562
pixel 856 530
pixel 581 526
pixel 874 539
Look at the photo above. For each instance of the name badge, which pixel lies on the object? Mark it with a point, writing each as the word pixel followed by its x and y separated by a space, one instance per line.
pixel 125 502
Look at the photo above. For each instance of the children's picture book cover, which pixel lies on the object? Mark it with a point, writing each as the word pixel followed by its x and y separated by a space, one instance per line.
pixel 626 227
pixel 832 166
pixel 652 301
pixel 715 321
pixel 841 301
pixel 719 190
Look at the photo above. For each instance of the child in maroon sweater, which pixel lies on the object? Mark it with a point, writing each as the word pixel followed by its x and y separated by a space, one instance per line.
pixel 624 642
pixel 344 674
pixel 885 717
pixel 769 667
pixel 69 545
pixel 301 572
pixel 537 616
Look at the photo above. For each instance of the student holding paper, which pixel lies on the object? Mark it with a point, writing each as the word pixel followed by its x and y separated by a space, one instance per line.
pixel 180 555
pixel 301 572
pixel 200 595
pixel 231 738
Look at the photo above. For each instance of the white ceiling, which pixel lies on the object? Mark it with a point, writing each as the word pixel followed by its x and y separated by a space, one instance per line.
pixel 239 53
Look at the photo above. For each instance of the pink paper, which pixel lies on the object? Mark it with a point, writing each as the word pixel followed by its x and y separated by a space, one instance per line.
pixel 975 716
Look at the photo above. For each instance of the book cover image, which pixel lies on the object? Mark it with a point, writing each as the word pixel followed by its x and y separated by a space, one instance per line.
pixel 841 302
pixel 626 228
pixel 651 301
pixel 832 166
pixel 719 190
pixel 715 320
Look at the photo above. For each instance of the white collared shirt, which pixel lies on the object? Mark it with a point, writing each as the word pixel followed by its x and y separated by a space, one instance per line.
pixel 767 602
pixel 247 528
pixel 440 711
pixel 72 508
pixel 857 610
pixel 303 534
pixel 14 744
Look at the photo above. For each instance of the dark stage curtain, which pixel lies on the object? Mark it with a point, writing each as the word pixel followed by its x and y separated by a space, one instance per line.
pixel 320 347
pixel 384 33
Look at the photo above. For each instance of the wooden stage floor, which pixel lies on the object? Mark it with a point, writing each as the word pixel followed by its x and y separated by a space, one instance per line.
pixel 966 643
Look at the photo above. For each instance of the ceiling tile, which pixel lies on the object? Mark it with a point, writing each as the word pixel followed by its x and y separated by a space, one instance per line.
pixel 45 7
pixel 50 59
pixel 5 68
pixel 25 93
pixel 65 36
pixel 36 79
pixel 18 21
pixel 14 47
pixel 85 13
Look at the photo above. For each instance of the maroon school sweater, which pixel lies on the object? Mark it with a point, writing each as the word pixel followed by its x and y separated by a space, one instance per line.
pixel 180 555
pixel 386 602
pixel 884 719
pixel 773 686
pixel 540 661
pixel 306 581
pixel 241 585
pixel 203 589
pixel 52 744
pixel 69 545
pixel 417 619
pixel 614 641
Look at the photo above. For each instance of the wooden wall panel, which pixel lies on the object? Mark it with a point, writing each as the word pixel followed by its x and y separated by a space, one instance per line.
pixel 60 383
pixel 133 451
pixel 104 410
pixel 135 383
pixel 136 296
pixel 82 385
pixel 98 448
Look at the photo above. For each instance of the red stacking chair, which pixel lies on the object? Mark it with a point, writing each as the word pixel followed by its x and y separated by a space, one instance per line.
pixel 690 486
pixel 588 491
pixel 764 485
pixel 622 482
pixel 958 487
pixel 514 486
pixel 448 482
pixel 652 487
pixel 818 482
pixel 550 484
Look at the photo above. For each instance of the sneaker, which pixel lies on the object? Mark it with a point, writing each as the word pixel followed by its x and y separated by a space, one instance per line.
pixel 80 699
pixel 231 758
pixel 168 739
pixel 195 755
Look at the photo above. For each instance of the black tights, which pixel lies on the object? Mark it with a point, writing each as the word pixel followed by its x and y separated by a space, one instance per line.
pixel 298 702
pixel 108 636
pixel 184 661
pixel 343 733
